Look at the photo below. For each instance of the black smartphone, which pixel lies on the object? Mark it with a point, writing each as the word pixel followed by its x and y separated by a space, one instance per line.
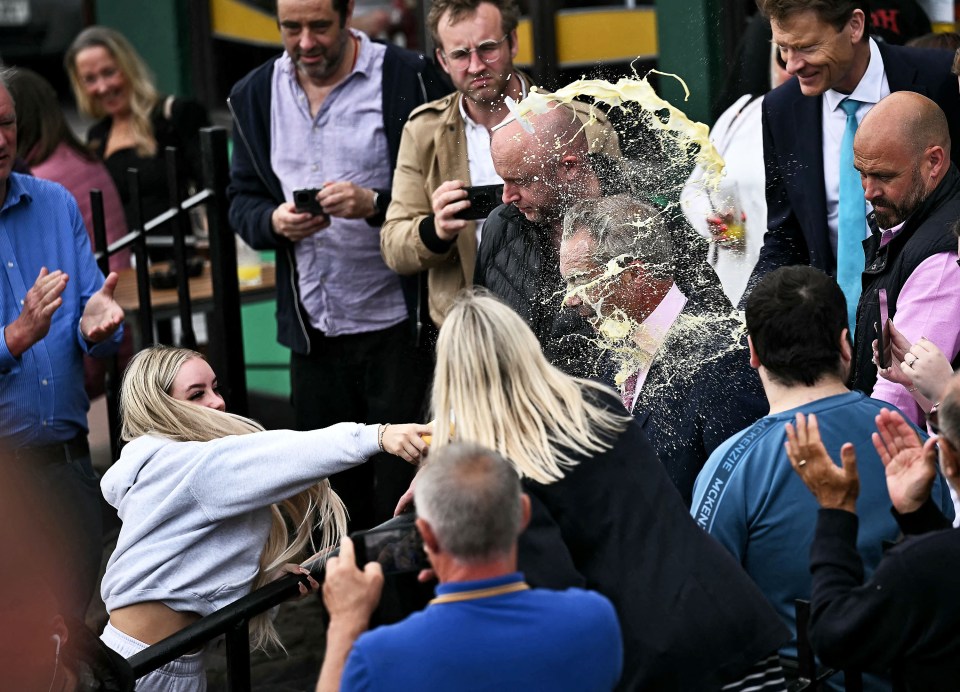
pixel 483 200
pixel 305 200
pixel 883 330
pixel 398 546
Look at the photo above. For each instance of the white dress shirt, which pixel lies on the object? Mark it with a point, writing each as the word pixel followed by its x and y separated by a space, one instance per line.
pixel 873 86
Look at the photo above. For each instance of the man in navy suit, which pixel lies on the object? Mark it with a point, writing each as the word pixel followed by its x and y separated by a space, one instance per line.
pixel 684 367
pixel 826 47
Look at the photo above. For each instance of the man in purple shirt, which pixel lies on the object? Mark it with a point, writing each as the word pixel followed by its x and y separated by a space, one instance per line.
pixel 902 150
pixel 328 115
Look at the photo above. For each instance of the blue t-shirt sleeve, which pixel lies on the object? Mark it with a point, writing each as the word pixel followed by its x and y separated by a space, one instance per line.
pixel 357 673
pixel 718 506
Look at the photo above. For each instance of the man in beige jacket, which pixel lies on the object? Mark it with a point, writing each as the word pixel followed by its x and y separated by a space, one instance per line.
pixel 445 147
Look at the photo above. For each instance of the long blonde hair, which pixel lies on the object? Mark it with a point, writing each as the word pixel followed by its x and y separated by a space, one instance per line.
pixel 146 408
pixel 143 93
pixel 493 387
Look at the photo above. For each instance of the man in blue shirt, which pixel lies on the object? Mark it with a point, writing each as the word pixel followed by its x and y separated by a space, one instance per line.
pixel 747 495
pixel 486 629
pixel 54 307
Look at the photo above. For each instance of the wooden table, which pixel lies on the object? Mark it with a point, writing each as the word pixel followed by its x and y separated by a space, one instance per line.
pixel 166 303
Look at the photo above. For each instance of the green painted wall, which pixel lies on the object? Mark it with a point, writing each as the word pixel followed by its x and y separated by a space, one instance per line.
pixel 260 347
pixel 160 31
pixel 689 39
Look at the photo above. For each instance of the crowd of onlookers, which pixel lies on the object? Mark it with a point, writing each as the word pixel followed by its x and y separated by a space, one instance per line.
pixel 661 411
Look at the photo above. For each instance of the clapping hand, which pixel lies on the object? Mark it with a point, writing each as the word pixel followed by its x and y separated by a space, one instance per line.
pixel 102 315
pixel 42 300
pixel 911 466
pixel 834 487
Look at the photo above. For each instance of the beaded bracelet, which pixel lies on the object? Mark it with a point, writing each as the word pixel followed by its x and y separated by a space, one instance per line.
pixel 383 429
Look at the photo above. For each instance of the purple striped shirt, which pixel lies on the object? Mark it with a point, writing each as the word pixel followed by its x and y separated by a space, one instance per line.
pixel 344 285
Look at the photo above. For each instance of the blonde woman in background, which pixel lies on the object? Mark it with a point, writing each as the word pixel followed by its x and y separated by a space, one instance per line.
pixel 135 123
pixel 205 497
pixel 605 513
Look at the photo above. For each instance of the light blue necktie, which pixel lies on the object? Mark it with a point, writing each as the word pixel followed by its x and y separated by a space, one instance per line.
pixel 851 218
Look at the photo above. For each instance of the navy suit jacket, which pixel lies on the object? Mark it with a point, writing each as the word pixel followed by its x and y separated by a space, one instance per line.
pixel 797 231
pixel 699 392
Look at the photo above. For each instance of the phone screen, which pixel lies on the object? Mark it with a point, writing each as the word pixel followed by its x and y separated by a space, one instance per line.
pixel 483 200
pixel 883 331
pixel 398 548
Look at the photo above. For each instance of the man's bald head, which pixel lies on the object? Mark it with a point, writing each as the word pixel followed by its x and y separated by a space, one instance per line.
pixel 908 119
pixel 902 150
pixel 557 131
pixel 545 167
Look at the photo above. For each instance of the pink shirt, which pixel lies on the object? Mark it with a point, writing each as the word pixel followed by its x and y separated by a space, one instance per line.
pixel 80 175
pixel 928 305
pixel 654 333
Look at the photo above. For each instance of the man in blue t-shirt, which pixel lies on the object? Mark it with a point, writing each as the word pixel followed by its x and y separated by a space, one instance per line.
pixel 486 629
pixel 747 495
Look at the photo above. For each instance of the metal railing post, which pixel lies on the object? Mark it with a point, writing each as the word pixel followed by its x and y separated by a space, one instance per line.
pixel 238 657
pixel 142 259
pixel 225 327
pixel 179 225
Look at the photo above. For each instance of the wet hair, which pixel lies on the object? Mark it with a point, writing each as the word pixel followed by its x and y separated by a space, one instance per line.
pixel 470 496
pixel 146 408
pixel 143 92
pixel 494 386
pixel 834 12
pixel 41 125
pixel 509 14
pixel 622 226
pixel 795 317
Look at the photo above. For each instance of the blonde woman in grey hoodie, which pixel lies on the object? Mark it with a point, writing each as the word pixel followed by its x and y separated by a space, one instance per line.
pixel 205 497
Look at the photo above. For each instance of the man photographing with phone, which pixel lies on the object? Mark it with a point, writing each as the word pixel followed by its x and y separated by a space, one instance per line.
pixel 445 148
pixel 485 626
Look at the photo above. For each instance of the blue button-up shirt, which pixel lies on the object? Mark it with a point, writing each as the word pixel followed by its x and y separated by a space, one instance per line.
pixel 42 400
pixel 344 284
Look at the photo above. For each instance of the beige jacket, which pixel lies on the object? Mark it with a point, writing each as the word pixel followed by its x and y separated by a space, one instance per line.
pixel 433 149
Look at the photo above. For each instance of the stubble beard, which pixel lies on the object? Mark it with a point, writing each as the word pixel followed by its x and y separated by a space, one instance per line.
pixel 898 213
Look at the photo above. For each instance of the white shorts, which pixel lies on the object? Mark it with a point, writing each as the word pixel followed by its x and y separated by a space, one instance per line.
pixel 185 674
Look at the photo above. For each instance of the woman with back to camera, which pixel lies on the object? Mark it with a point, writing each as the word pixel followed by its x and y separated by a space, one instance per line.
pixel 605 514
pixel 204 496
pixel 135 122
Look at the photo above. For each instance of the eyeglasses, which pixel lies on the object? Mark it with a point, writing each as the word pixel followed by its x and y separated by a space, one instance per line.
pixel 488 52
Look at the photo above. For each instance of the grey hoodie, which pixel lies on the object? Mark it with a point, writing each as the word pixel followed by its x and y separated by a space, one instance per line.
pixel 196 514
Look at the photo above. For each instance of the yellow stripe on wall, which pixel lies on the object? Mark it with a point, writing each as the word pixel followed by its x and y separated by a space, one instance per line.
pixel 237 21
pixel 587 37
pixel 584 37
pixel 612 35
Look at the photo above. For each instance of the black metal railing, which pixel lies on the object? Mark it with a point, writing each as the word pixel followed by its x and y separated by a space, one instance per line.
pixel 811 677
pixel 232 621
pixel 225 347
